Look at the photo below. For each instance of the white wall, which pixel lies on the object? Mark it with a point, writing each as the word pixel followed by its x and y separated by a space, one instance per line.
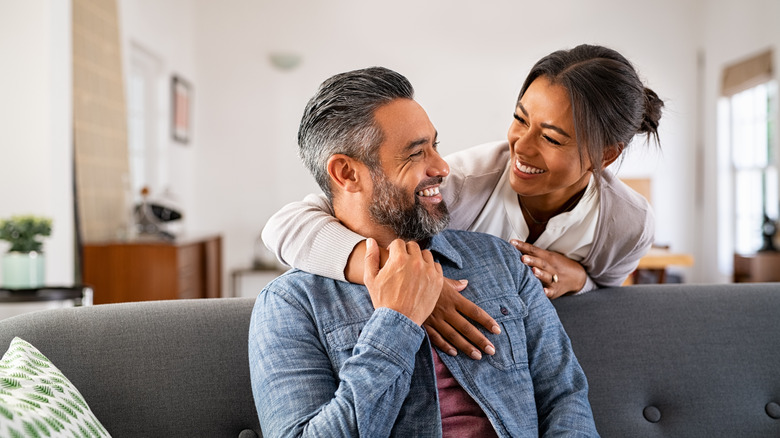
pixel 35 123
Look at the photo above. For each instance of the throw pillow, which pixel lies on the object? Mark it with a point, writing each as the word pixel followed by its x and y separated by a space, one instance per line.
pixel 37 400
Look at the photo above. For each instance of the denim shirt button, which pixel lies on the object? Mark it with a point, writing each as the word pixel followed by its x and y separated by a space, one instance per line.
pixel 504 310
pixel 247 433
pixel 652 414
pixel 773 410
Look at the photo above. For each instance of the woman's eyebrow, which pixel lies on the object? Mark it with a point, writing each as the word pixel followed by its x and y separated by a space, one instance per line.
pixel 544 125
pixel 556 129
pixel 522 109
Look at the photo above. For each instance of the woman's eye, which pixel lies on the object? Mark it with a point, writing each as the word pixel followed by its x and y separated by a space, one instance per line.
pixel 551 140
pixel 519 119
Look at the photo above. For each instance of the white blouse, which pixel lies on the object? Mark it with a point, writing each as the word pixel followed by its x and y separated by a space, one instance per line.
pixel 570 233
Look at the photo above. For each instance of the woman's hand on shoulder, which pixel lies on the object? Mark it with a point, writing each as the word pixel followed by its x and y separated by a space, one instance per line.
pixel 559 274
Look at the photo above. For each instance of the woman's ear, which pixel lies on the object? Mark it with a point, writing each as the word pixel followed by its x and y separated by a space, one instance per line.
pixel 345 173
pixel 611 153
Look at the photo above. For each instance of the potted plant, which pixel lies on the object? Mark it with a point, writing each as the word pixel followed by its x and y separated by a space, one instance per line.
pixel 24 263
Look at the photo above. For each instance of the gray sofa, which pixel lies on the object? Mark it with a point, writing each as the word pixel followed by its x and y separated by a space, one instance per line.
pixel 661 360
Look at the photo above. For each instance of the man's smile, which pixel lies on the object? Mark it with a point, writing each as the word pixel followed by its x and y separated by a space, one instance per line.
pixel 433 191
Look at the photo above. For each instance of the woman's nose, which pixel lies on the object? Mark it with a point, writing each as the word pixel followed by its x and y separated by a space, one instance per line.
pixel 519 140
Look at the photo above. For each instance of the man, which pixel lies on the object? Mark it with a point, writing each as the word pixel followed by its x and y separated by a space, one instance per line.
pixel 333 358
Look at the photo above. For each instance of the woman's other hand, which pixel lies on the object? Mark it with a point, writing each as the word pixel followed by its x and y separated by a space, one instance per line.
pixel 449 329
pixel 559 274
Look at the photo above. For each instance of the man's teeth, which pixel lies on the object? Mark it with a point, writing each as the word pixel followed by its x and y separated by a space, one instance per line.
pixel 429 192
pixel 527 169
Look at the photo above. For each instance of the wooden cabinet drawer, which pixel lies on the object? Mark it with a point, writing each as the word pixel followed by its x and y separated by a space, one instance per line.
pixel 142 271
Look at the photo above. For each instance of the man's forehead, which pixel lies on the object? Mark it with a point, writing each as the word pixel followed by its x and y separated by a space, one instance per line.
pixel 405 124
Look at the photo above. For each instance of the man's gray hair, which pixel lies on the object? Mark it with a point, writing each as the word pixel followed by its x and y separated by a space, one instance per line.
pixel 339 119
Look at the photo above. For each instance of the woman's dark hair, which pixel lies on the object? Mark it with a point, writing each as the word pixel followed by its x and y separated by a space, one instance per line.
pixel 610 104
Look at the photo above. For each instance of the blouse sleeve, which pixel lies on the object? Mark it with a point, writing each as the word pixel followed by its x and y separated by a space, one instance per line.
pixel 625 233
pixel 306 236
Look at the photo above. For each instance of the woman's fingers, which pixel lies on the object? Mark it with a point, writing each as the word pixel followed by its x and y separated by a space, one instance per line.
pixel 448 327
pixel 558 274
pixel 471 310
pixel 438 340
pixel 452 336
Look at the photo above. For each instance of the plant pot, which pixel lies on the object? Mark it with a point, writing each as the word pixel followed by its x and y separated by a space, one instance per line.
pixel 23 270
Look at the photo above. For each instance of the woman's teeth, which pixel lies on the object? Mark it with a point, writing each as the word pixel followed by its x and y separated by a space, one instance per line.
pixel 428 192
pixel 527 169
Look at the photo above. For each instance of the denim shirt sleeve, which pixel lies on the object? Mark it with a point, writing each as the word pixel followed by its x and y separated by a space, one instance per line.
pixel 297 392
pixel 560 385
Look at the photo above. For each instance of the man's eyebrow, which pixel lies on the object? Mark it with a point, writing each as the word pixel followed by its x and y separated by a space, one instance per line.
pixel 544 125
pixel 421 141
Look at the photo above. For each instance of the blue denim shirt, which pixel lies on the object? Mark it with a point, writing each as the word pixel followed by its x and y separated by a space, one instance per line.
pixel 323 362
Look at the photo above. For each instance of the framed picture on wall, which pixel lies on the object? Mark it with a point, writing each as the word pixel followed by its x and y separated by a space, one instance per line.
pixel 181 105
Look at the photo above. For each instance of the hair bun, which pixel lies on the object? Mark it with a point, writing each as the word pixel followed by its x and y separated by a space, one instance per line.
pixel 652 115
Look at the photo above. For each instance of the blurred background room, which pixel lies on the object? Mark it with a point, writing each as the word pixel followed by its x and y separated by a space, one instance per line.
pixel 112 109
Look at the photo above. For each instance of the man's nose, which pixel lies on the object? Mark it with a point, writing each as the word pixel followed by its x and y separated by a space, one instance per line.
pixel 437 166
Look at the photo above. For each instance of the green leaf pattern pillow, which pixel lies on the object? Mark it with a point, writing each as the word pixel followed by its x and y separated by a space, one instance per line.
pixel 37 400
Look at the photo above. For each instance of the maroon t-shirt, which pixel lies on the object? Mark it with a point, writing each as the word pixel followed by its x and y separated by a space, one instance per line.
pixel 461 416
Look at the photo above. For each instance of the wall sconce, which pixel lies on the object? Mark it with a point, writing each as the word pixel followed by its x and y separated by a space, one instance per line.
pixel 285 60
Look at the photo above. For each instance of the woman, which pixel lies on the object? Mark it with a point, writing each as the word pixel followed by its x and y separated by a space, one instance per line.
pixel 545 190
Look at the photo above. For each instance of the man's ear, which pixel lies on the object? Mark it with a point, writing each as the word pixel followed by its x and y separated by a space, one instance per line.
pixel 345 172
pixel 611 154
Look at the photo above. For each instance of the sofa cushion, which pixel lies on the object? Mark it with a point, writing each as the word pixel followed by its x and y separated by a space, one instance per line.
pixel 36 399
pixel 168 368
pixel 689 360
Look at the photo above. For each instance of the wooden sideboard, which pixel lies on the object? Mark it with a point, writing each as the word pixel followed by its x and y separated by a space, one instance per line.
pixel 154 270
pixel 758 267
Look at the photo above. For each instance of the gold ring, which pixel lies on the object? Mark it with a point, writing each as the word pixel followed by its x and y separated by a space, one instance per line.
pixel 555 278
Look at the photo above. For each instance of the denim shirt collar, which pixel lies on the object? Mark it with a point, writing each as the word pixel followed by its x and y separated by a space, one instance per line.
pixel 441 246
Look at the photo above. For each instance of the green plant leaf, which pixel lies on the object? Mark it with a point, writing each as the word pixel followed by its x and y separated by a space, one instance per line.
pixel 24 232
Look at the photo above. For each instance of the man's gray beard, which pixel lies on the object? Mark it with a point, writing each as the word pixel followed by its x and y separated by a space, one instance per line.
pixel 410 221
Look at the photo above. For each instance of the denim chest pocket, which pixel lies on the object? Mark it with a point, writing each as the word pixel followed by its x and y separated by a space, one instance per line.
pixel 341 341
pixel 509 312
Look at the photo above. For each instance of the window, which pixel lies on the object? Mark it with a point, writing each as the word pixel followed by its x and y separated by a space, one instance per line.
pixel 748 126
pixel 147 161
pixel 748 161
pixel 754 164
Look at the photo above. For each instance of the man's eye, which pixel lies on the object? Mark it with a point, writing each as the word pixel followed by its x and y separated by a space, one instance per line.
pixel 436 145
pixel 416 154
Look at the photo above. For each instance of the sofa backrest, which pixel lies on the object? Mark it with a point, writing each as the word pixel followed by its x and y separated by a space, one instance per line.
pixel 153 369
pixel 661 361
pixel 680 360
